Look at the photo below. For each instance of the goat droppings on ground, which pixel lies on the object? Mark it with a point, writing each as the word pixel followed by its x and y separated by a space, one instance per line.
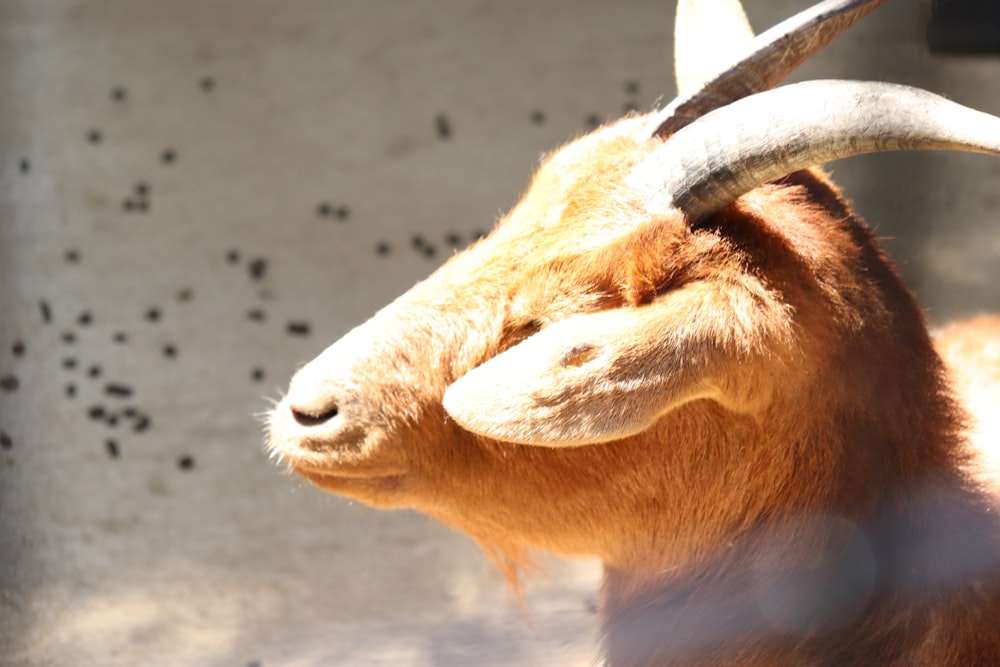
pixel 118 390
pixel 9 382
pixel 298 328
pixel 257 268
pixel 443 126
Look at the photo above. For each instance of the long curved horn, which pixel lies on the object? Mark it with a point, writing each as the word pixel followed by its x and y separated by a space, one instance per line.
pixel 769 58
pixel 730 151
pixel 709 36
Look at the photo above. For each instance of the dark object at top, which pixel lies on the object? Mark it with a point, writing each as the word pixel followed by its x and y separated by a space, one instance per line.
pixel 965 26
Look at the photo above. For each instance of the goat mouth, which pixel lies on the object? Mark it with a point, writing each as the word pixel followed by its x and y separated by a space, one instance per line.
pixel 375 489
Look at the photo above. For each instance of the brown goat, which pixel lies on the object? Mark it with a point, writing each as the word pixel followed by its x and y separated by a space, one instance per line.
pixel 683 353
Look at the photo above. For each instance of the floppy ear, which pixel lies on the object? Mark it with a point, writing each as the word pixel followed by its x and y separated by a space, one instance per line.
pixel 603 376
pixel 709 37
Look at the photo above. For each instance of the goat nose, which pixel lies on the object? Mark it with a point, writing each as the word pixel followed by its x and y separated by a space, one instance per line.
pixel 313 400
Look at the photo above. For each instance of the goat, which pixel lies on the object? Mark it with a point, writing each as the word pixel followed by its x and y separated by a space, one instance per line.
pixel 684 354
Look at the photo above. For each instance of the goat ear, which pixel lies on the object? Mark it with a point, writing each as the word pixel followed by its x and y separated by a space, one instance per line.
pixel 709 37
pixel 604 376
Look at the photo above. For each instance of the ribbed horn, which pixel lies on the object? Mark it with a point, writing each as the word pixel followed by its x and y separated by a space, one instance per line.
pixel 768 59
pixel 730 151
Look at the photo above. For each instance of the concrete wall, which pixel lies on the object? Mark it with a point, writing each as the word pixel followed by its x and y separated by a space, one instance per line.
pixel 196 196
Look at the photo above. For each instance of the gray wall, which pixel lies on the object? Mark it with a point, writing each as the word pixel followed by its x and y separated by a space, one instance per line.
pixel 180 543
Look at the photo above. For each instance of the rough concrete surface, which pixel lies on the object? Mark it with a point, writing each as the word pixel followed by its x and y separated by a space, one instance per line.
pixel 196 196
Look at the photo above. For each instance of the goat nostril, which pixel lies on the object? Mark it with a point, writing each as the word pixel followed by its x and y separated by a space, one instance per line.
pixel 306 419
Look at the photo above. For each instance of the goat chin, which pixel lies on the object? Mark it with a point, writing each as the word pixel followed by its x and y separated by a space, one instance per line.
pixel 971 351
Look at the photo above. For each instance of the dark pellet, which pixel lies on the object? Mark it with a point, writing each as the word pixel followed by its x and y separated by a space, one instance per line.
pixel 130 413
pixel 537 117
pixel 111 421
pixel 185 294
pixel 69 363
pixel 94 371
pixel 324 210
pixel 85 318
pixel 9 383
pixel 17 349
pixel 207 84
pixel 383 248
pixel 119 94
pixel 112 447
pixel 72 256
pixel 257 374
pixel 632 87
pixel 46 311
pixel 233 256
pixel 130 205
pixel 117 390
pixel 169 156
pixel 593 121
pixel 429 250
pixel 453 239
pixel 6 441
pixel 142 189
pixel 153 315
pixel 25 166
pixel 95 136
pixel 71 390
pixel 343 213
pixel 257 268
pixel 256 315
pixel 185 462
pixel 418 241
pixel 142 424
pixel 97 412
pixel 298 328
pixel 170 351
pixel 120 337
pixel 69 337
pixel 443 126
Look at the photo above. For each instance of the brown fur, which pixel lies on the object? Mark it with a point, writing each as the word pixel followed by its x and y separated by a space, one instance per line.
pixel 816 509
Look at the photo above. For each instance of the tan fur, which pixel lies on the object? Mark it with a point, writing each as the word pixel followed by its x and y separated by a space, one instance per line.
pixel 808 502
